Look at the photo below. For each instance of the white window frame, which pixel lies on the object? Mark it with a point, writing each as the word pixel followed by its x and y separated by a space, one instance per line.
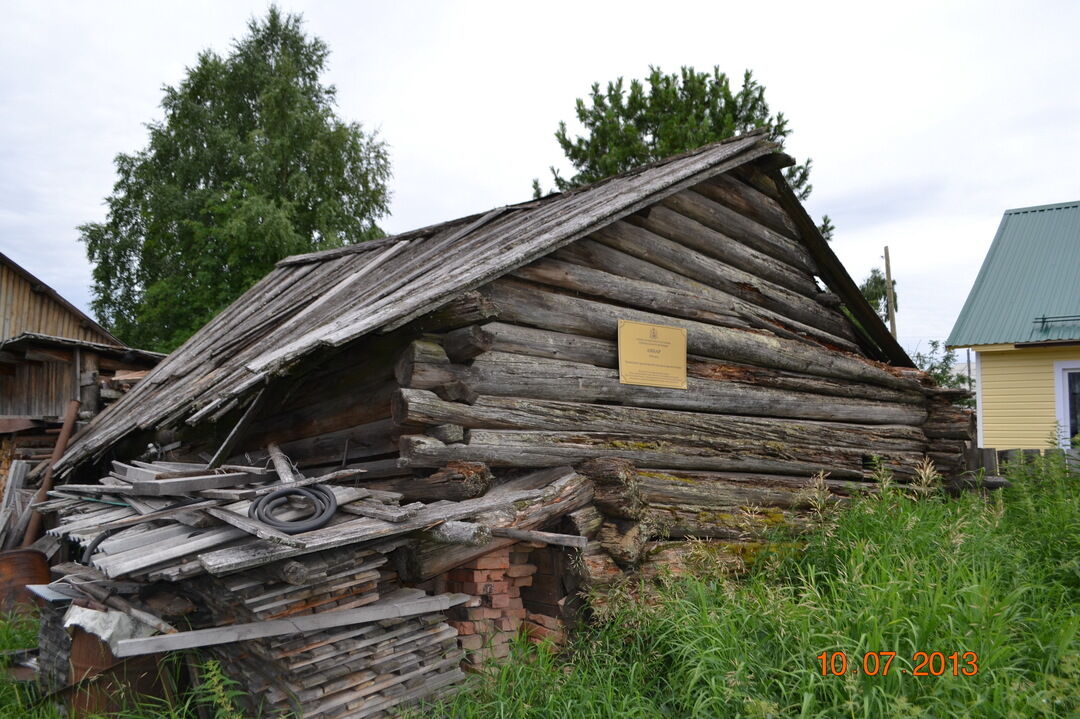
pixel 1061 399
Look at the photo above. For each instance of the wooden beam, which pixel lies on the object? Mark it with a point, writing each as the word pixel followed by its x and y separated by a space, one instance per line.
pixel 237 431
pixel 532 535
pixel 404 603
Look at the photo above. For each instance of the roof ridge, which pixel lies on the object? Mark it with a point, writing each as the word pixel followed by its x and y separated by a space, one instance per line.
pixel 1041 208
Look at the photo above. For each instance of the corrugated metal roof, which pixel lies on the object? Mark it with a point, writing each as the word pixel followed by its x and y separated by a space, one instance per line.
pixel 1032 271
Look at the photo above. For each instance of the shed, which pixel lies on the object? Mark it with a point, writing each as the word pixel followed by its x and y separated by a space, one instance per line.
pixel 1022 319
pixel 29 305
pixel 52 353
pixel 522 369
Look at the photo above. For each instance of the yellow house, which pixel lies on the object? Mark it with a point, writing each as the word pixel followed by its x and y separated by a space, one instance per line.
pixel 1022 320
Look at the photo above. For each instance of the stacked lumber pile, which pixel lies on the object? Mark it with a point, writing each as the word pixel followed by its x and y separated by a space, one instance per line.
pixel 359 670
pixel 319 622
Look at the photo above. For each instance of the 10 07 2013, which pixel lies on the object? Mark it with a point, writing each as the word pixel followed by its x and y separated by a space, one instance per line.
pixel 923 664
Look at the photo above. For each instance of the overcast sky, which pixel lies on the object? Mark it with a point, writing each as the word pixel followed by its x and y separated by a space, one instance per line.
pixel 925 121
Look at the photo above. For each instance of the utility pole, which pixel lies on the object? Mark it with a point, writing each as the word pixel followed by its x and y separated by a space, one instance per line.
pixel 889 298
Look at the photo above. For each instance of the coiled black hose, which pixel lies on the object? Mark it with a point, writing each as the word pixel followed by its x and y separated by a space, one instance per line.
pixel 325 504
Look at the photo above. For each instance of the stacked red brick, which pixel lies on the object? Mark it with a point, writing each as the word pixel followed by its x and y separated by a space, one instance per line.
pixel 497 578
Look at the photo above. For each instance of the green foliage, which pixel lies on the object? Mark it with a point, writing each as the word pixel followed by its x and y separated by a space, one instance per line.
pixel 875 289
pixel 249 164
pixel 666 115
pixel 902 571
pixel 216 695
pixel 827 228
pixel 940 364
pixel 20 631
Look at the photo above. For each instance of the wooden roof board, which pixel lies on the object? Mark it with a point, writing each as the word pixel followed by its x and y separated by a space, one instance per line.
pixel 281 319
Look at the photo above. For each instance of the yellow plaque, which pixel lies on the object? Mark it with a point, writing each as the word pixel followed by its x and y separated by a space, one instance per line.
pixel 652 355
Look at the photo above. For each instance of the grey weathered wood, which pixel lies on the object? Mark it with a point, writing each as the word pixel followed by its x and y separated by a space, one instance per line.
pixel 454 482
pixel 532 535
pixel 564 491
pixel 585 521
pixel 133 473
pixel 640 265
pixel 420 352
pixel 496 373
pixel 520 302
pixel 186 485
pixel 225 561
pixel 254 527
pixel 515 339
pixel 627 290
pixel 121 564
pixel 748 201
pixel 490 412
pixel 641 242
pixel 237 432
pixel 679 218
pixel 237 351
pixel 747 230
pixel 375 469
pixel 447 433
pixel 455 532
pixel 381 511
pixel 282 465
pixel 398 604
pixel 516 448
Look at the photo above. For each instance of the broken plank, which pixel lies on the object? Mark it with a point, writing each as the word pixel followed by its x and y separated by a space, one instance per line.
pixel 382 511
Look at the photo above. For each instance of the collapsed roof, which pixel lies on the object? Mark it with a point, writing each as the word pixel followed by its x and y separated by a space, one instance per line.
pixel 328 299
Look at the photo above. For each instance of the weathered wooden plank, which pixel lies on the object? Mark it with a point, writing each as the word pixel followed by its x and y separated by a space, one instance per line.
pixel 187 485
pixel 120 564
pixel 398 604
pixel 233 559
pixel 383 512
pixel 748 231
pixel 564 491
pixel 454 532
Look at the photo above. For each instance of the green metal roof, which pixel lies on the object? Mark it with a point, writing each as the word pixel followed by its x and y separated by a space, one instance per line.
pixel 1028 289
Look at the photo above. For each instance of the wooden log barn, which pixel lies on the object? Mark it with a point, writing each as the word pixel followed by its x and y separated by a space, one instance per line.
pixel 506 410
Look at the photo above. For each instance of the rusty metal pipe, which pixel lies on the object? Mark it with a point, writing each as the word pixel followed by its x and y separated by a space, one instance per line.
pixel 33 529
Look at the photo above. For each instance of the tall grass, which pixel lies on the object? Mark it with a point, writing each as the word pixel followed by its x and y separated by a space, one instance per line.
pixel 905 571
